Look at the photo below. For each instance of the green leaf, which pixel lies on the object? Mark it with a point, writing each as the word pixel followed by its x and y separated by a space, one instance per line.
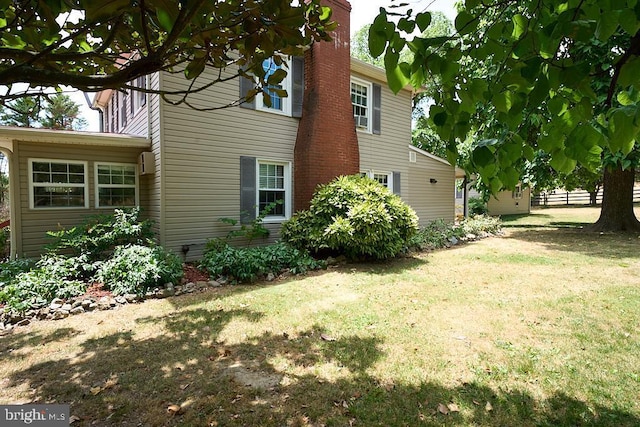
pixel 630 73
pixel 626 98
pixel 325 13
pixel 557 105
pixel 439 117
pixel 405 25
pixel 195 68
pixel 164 19
pixel 520 24
pixel 378 35
pixel 629 21
pixel 482 156
pixel 423 20
pixel 607 24
pixel 277 77
pixel 622 130
pixel 465 23
pixel 528 152
pixel 502 101
pixel 105 9
pixel 561 163
pixel 478 88
pixel 510 177
pixel 397 74
pixel 540 92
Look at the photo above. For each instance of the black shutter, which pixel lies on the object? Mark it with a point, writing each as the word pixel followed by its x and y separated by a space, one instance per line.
pixel 245 86
pixel 247 189
pixel 396 183
pixel 297 85
pixel 377 107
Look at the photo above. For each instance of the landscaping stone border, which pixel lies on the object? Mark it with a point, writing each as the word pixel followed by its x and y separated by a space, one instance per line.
pixel 61 309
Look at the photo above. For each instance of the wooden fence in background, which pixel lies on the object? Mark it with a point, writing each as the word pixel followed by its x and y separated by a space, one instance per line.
pixel 566 198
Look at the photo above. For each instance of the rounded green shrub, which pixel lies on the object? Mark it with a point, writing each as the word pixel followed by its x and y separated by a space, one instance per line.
pixel 355 216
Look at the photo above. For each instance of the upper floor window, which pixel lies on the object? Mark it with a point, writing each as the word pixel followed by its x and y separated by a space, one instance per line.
pixel 517 192
pixel 366 99
pixel 360 98
pixel 293 84
pixel 57 184
pixel 274 93
pixel 140 97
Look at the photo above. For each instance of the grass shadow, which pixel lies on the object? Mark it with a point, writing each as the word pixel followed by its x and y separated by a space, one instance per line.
pixel 9 343
pixel 272 379
pixel 572 239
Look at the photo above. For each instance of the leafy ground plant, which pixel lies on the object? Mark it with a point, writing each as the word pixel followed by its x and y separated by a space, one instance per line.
pixel 534 328
pixel 439 233
pixel 116 249
pixel 133 269
pixel 100 234
pixel 248 264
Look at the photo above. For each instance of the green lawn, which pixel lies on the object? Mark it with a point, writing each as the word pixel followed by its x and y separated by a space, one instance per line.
pixel 538 327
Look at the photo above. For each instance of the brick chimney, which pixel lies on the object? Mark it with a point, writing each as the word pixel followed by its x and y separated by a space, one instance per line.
pixel 327 144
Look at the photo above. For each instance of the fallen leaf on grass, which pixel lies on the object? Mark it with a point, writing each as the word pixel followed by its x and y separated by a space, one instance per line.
pixel 112 381
pixel 174 409
pixel 453 407
pixel 327 337
pixel 488 407
pixel 443 409
pixel 342 403
pixel 95 390
pixel 73 419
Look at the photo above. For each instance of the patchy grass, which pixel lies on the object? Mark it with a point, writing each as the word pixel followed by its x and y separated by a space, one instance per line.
pixel 539 327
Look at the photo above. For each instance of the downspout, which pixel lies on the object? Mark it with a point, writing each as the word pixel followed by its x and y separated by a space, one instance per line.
pixel 465 197
pixel 16 247
pixel 99 110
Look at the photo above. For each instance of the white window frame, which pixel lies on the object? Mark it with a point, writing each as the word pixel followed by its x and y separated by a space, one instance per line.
pixel 33 184
pixel 369 116
pixel 287 85
pixel 139 97
pixel 517 192
pixel 98 186
pixel 287 190
pixel 122 109
pixel 371 174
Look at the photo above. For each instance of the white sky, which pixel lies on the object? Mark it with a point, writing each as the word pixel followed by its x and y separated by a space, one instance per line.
pixel 362 12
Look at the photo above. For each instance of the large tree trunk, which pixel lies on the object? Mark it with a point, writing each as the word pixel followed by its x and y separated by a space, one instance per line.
pixel 617 202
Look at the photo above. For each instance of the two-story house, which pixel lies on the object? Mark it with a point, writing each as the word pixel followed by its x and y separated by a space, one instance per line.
pixel 187 168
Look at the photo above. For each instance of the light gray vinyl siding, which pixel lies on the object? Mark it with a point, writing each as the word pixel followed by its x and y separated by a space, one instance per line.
pixel 36 222
pixel 137 123
pixel 387 152
pixel 431 201
pixel 152 183
pixel 201 155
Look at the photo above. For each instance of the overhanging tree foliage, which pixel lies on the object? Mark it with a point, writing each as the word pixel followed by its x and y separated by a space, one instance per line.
pixel 93 45
pixel 574 64
pixel 424 136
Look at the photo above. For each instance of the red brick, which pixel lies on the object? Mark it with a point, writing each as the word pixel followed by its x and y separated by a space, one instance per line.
pixel 327 144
